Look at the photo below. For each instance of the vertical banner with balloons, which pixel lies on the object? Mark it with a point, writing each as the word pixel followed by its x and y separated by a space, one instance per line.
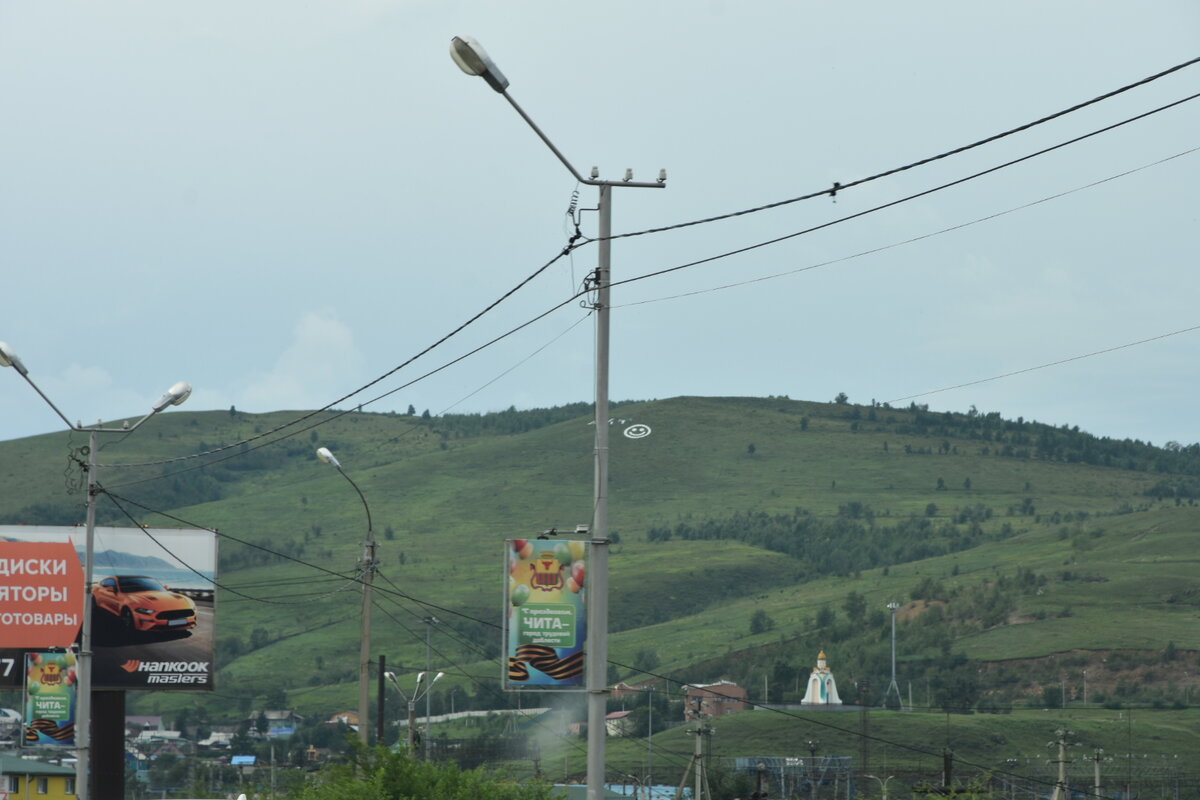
pixel 50 699
pixel 545 625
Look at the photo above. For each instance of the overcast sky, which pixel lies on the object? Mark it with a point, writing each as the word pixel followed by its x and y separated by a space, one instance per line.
pixel 281 202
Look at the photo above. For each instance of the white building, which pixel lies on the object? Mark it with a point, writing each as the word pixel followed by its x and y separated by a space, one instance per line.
pixel 822 689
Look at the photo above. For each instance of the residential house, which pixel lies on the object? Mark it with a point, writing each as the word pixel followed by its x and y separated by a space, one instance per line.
pixel 24 778
pixel 704 700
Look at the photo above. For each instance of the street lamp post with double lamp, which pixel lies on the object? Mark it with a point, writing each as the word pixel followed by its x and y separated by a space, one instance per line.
pixel 883 782
pixel 472 59
pixel 368 567
pixel 83 734
pixel 411 700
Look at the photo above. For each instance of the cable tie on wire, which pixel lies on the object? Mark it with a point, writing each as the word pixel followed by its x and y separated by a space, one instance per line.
pixel 833 192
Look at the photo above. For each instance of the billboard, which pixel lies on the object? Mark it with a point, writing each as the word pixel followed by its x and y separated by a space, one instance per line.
pixel 50 699
pixel 545 624
pixel 153 605
pixel 41 594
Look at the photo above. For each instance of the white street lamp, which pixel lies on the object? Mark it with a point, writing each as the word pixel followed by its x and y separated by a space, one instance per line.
pixel 472 59
pixel 883 782
pixel 367 564
pixel 174 396
pixel 411 700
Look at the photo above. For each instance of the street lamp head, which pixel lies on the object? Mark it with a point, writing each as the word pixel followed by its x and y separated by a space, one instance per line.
pixel 324 454
pixel 174 396
pixel 437 678
pixel 474 60
pixel 420 677
pixel 9 359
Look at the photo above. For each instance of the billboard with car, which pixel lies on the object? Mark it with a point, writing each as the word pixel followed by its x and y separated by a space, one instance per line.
pixel 153 605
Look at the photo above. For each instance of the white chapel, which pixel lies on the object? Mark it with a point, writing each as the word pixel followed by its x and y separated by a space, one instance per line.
pixel 822 690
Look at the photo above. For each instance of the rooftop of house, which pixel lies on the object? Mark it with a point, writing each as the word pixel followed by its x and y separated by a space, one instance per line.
pixel 15 765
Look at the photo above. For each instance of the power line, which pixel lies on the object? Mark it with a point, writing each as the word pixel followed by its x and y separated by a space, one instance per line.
pixel 1048 364
pixel 569 247
pixel 841 187
pixel 913 240
pixel 565 251
pixel 906 198
pixel 339 414
pixel 349 581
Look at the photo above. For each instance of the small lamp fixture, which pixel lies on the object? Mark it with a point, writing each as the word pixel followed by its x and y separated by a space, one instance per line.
pixel 9 359
pixel 474 60
pixel 326 456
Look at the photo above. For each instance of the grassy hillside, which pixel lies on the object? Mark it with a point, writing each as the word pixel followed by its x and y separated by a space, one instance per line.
pixel 752 533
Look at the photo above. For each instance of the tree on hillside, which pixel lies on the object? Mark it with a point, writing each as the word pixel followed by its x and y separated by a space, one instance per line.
pixel 761 622
pixel 826 616
pixel 856 607
pixel 841 399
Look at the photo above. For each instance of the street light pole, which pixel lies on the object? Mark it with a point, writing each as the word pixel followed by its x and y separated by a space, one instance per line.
pixel 883 782
pixel 174 396
pixel 472 59
pixel 411 701
pixel 893 686
pixel 368 566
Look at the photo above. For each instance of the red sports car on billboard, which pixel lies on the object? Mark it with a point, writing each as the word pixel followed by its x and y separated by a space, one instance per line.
pixel 143 604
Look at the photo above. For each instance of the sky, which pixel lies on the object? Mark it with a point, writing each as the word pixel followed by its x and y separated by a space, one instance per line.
pixel 283 202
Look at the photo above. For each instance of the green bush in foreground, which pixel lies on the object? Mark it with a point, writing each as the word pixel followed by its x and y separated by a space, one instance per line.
pixel 379 774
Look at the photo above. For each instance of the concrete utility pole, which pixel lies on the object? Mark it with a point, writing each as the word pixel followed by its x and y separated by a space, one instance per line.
pixel 367 567
pixel 1097 755
pixel 472 59
pixel 650 743
pixel 429 621
pixel 812 745
pixel 696 765
pixel 1060 788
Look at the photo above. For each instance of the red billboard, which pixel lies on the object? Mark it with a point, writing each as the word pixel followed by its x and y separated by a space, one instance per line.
pixel 41 594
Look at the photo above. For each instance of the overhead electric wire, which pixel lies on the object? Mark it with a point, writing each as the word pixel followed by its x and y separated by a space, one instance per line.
pixel 568 249
pixel 338 415
pixel 906 198
pixel 912 240
pixel 480 388
pixel 1060 362
pixel 657 273
pixel 841 187
pixel 222 535
pixel 351 581
pixel 571 244
pixel 565 251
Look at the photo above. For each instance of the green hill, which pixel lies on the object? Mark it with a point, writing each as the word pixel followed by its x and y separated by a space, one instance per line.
pixel 752 533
